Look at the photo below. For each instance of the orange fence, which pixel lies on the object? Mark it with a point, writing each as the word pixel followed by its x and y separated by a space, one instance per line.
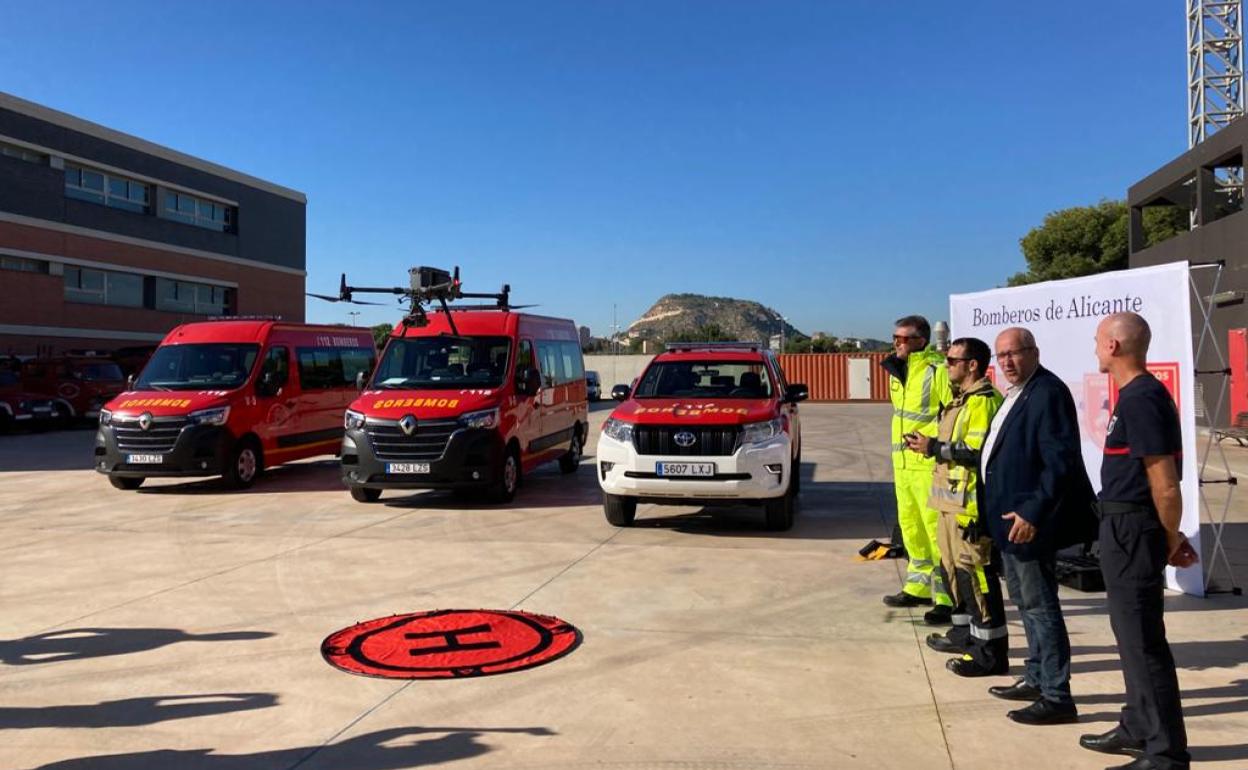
pixel 828 375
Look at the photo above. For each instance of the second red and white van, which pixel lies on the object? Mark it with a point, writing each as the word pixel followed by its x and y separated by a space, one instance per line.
pixel 232 397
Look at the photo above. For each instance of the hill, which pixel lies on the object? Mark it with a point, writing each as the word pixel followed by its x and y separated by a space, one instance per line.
pixel 679 317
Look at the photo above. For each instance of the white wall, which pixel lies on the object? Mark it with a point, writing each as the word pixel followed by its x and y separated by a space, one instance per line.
pixel 616 370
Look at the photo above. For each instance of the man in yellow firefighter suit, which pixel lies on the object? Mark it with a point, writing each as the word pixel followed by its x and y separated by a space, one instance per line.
pixel 918 386
pixel 978 631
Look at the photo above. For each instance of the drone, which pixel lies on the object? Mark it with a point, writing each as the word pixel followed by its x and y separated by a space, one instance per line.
pixel 425 286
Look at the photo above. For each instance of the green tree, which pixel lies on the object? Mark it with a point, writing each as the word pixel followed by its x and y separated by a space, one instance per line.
pixel 704 333
pixel 380 333
pixel 1090 239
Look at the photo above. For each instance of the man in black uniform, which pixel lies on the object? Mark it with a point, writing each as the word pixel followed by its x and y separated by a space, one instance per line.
pixel 1141 506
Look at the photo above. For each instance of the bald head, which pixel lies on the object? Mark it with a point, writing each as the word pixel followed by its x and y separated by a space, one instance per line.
pixel 1130 331
pixel 1017 354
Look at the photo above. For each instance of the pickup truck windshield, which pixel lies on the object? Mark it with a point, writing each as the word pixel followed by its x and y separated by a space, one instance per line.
pixel 704 379
pixel 418 363
pixel 209 366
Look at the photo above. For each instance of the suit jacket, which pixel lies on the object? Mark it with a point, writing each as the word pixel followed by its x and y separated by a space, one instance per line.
pixel 1036 470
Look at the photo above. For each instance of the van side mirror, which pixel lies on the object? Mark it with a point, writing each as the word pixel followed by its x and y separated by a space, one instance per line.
pixel 130 382
pixel 528 382
pixel 795 393
pixel 361 379
pixel 620 392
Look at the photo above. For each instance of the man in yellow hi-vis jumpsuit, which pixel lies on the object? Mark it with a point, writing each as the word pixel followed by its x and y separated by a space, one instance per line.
pixel 966 547
pixel 918 387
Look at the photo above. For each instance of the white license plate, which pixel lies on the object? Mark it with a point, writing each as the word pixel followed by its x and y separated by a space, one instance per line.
pixel 145 459
pixel 407 467
pixel 684 469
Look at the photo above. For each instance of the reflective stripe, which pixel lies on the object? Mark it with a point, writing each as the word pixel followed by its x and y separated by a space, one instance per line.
pixel 918 577
pixel 925 401
pixel 976 433
pixel 960 619
pixel 920 417
pixel 920 564
pixel 943 493
pixel 898 447
pixel 988 634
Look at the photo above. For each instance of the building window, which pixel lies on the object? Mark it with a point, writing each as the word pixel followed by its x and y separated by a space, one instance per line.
pixel 187 297
pixel 109 189
pixel 21 153
pixel 212 215
pixel 103 287
pixel 23 265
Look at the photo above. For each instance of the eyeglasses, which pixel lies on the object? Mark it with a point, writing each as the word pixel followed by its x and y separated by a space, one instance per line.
pixel 906 337
pixel 953 359
pixel 1012 354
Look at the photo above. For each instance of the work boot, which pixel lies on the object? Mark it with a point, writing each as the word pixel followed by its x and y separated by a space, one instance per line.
pixel 969 667
pixel 942 643
pixel 940 615
pixel 903 599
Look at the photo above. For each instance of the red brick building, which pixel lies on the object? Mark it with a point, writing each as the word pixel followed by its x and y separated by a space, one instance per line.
pixel 107 240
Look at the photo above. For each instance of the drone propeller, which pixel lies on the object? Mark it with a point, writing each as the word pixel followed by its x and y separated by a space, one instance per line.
pixel 330 298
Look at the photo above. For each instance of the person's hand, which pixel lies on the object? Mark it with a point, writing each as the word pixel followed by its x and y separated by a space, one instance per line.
pixel 1021 531
pixel 917 442
pixel 1180 552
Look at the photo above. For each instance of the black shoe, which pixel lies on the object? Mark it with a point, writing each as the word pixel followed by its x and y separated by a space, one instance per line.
pixel 1112 742
pixel 1020 690
pixel 968 667
pixel 903 599
pixel 942 643
pixel 940 615
pixel 1143 763
pixel 1046 712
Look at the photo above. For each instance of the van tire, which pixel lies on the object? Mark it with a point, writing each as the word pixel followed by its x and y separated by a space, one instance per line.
pixel 244 464
pixel 126 482
pixel 570 460
pixel 620 511
pixel 778 513
pixel 795 473
pixel 365 495
pixel 507 479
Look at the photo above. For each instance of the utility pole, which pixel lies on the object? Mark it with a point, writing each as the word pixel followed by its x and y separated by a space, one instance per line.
pixel 615 344
pixel 355 314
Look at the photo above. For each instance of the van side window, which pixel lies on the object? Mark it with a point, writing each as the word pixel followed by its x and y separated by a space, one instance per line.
pixel 356 360
pixel 277 361
pixel 551 357
pixel 573 364
pixel 320 368
pixel 524 360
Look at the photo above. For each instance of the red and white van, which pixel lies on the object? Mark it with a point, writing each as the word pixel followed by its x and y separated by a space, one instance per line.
pixel 231 397
pixel 77 385
pixel 704 424
pixel 468 405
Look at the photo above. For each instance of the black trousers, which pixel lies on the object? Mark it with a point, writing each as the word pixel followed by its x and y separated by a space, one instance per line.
pixel 1133 560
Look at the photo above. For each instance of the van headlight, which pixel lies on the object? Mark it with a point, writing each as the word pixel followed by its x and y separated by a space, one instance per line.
pixel 216 416
pixel 106 417
pixel 353 420
pixel 619 430
pixel 759 432
pixel 484 419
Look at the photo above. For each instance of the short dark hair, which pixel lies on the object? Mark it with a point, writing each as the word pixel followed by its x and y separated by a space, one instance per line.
pixel 919 323
pixel 976 349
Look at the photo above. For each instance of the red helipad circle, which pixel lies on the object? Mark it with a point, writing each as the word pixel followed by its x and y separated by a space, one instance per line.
pixel 449 644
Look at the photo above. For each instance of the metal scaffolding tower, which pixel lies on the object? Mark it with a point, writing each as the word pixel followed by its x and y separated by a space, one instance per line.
pixel 1215 81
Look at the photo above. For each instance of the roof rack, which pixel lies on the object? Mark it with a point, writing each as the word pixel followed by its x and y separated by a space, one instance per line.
pixel 217 318
pixel 750 346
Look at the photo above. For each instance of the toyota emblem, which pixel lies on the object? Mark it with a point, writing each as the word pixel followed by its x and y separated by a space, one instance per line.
pixel 407 424
pixel 145 420
pixel 685 439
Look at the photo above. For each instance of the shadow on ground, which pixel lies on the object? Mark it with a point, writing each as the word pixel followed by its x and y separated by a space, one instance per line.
pixel 382 750
pixel 133 712
pixel 80 643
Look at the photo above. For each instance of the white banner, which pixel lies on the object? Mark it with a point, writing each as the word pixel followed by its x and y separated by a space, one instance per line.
pixel 1063 316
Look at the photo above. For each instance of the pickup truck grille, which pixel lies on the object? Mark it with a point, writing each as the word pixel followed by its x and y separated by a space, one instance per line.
pixel 426 443
pixel 712 441
pixel 159 438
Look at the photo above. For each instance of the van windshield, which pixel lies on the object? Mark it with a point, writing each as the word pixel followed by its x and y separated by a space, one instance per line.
pixel 99 371
pixel 214 366
pixel 443 362
pixel 704 379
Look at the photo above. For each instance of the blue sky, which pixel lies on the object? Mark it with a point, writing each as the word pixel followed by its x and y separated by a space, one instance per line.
pixel 842 162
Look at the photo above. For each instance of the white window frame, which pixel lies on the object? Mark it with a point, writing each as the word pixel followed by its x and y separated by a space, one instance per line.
pixel 100 295
pixel 106 194
pixel 175 214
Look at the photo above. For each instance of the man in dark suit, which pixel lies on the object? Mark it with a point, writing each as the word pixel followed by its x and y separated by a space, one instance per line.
pixel 1036 499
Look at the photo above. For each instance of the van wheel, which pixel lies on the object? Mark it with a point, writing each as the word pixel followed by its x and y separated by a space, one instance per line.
pixel 507 480
pixel 778 513
pixel 620 511
pixel 243 465
pixel 365 495
pixel 571 460
pixel 126 482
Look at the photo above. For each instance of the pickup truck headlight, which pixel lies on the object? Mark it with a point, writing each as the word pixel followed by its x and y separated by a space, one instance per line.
pixel 216 416
pixel 106 417
pixel 486 419
pixel 758 432
pixel 353 420
pixel 618 429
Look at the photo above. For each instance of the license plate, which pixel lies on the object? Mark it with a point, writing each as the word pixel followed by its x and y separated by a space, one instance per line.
pixel 407 467
pixel 684 469
pixel 145 459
